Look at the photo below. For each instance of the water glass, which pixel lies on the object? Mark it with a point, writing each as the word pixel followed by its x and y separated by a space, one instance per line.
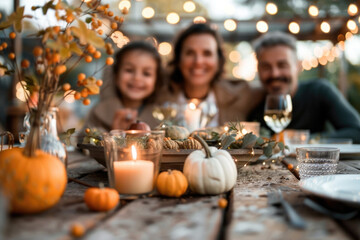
pixel 315 161
pixel 295 137
pixel 133 160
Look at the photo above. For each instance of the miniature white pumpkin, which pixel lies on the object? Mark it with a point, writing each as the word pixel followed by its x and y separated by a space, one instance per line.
pixel 210 170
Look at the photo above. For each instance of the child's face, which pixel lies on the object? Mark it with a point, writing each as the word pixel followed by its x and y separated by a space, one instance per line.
pixel 137 75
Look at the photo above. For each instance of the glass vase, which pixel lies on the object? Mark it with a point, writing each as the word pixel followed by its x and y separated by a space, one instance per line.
pixel 49 138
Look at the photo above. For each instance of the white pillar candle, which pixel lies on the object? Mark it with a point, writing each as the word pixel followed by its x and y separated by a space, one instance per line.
pixel 134 176
pixel 192 117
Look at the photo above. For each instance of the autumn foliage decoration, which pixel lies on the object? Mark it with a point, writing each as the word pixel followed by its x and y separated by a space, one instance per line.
pixel 76 37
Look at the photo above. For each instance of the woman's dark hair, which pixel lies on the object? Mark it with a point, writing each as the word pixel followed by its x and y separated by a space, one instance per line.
pixel 140 46
pixel 197 28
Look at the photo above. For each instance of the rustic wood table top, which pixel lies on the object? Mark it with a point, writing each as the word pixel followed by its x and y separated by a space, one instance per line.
pixel 247 216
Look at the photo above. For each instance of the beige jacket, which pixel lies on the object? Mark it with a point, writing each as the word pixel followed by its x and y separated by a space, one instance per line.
pixel 234 100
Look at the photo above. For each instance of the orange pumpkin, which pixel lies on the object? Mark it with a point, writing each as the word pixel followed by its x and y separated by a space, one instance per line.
pixel 101 199
pixel 32 184
pixel 172 183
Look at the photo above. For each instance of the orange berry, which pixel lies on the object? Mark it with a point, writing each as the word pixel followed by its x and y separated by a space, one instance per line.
pixel 77 96
pixel 110 14
pixel 86 101
pixel 100 32
pixel 97 55
pixel 60 69
pixel 12 35
pixel 94 25
pixel 84 93
pixel 222 203
pixel 116 18
pixel 109 61
pixel 99 22
pixel 1 48
pixel 290 166
pixel 81 76
pixel 69 19
pixel 56 58
pixel 66 87
pixel 88 59
pixel 110 51
pixel 125 11
pixel 77 230
pixel 91 49
pixel 87 130
pixel 99 82
pixel 4 45
pixel 114 25
pixel 121 19
pixel 38 51
pixel 25 63
pixel 56 29
pixel 11 56
pixel 107 5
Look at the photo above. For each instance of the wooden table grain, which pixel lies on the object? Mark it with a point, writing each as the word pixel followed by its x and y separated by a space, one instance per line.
pixel 247 216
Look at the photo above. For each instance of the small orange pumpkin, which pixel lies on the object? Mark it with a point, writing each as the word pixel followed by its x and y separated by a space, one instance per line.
pixel 101 199
pixel 172 183
pixel 32 184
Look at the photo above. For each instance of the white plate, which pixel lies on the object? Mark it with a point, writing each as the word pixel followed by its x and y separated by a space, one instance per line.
pixel 341 187
pixel 346 150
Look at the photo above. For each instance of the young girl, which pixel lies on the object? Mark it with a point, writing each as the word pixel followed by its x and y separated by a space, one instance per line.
pixel 132 93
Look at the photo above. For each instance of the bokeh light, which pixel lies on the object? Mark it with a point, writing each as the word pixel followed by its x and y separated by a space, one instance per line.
pixel 294 27
pixel 165 48
pixel 262 26
pixel 189 6
pixel 271 8
pixel 148 12
pixel 325 27
pixel 230 25
pixel 313 11
pixel 173 18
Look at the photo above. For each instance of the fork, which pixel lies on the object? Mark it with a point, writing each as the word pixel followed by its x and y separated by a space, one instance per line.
pixel 295 220
pixel 336 215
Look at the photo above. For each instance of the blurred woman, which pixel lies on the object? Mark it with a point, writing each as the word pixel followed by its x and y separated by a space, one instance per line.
pixel 197 68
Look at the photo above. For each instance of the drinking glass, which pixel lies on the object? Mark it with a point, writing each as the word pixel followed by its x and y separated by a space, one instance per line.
pixel 315 161
pixel 133 160
pixel 294 137
pixel 277 113
pixel 166 111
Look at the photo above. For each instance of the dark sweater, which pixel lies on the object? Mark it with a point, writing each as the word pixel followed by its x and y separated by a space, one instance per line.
pixel 315 103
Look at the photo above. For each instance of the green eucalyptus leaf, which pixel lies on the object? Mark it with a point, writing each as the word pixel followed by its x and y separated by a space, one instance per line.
pixel 268 150
pixel 227 141
pixel 249 140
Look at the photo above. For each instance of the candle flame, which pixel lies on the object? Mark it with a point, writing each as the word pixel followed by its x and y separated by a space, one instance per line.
pixel 192 106
pixel 133 152
pixel 226 128
pixel 244 131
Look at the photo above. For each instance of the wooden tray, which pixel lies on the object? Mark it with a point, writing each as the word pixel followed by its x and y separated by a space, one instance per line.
pixel 174 159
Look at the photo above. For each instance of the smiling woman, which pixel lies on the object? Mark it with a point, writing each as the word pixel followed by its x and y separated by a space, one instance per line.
pixel 197 69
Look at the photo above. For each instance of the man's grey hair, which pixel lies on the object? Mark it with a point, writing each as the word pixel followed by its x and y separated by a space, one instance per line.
pixel 273 39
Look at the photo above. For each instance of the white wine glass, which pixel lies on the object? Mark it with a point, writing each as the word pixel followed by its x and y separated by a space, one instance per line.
pixel 278 112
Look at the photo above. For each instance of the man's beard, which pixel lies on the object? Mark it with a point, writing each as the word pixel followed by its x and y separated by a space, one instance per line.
pixel 278 89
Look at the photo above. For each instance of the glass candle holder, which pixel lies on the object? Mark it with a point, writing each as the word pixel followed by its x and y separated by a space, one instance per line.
pixel 133 160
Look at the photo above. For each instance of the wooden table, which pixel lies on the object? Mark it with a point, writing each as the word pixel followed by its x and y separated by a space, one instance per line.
pixel 247 216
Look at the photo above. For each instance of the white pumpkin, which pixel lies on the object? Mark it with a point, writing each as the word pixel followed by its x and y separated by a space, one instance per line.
pixel 210 170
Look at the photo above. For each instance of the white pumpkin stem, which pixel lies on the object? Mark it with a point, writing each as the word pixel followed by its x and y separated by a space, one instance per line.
pixel 204 145
pixel 101 185
pixel 169 171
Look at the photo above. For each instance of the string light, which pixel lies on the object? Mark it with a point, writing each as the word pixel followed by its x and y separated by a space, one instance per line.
pixel 69 96
pixel 271 8
pixel 351 25
pixel 294 27
pixel 189 6
pixel 325 27
pixel 234 56
pixel 230 25
pixel 165 48
pixel 124 4
pixel 352 9
pixel 173 18
pixel 199 19
pixel 313 11
pixel 262 26
pixel 348 35
pixel 148 12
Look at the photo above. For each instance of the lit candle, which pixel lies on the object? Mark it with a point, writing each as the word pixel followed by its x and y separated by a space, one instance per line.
pixel 134 176
pixel 192 117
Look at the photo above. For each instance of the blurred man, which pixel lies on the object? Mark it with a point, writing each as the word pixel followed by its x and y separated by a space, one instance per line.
pixel 315 102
